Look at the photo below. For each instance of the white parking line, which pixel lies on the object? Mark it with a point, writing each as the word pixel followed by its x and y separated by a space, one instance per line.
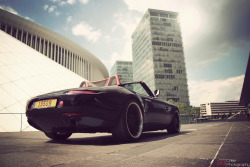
pixel 246 126
pixel 191 129
pixel 220 146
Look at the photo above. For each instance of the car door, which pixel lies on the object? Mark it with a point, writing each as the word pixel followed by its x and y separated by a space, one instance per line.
pixel 152 114
pixel 165 109
pixel 159 110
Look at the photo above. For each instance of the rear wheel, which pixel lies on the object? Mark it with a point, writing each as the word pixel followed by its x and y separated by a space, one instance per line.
pixel 129 128
pixel 174 126
pixel 57 135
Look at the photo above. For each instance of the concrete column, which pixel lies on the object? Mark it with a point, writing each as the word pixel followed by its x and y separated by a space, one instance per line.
pixel 11 30
pixel 26 42
pixel 70 60
pixel 57 54
pixel 43 48
pixel 77 64
pixel 52 51
pixel 31 40
pixel 54 58
pixel 16 33
pixel 35 41
pixel 64 60
pixel 39 44
pixel 21 35
pixel 81 67
pixel 61 56
pixel 74 62
pixel 48 48
pixel 65 56
pixel 84 71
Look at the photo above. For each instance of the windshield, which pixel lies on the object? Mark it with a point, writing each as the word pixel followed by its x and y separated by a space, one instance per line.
pixel 136 87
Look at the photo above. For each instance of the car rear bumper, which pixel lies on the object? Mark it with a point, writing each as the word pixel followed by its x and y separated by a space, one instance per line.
pixel 73 119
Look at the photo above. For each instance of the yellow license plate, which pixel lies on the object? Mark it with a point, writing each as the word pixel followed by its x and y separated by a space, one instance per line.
pixel 45 103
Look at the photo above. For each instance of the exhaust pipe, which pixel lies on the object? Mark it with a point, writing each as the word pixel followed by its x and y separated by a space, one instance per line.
pixel 73 122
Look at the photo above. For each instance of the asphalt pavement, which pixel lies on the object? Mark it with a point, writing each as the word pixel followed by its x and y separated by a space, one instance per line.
pixel 219 143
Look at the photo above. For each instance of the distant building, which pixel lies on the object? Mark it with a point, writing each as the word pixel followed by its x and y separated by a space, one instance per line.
pixel 158 57
pixel 217 109
pixel 124 70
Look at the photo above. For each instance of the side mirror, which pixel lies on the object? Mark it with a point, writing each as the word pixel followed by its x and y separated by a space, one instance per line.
pixel 157 92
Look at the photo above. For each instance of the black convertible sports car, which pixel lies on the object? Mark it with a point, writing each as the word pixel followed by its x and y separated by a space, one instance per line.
pixel 123 109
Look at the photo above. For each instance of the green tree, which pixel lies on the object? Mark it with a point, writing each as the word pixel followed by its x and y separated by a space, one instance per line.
pixel 186 109
pixel 196 111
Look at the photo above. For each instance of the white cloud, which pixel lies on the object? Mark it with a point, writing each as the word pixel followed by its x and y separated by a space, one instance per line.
pixel 51 9
pixel 62 3
pixel 84 1
pixel 57 13
pixel 9 9
pixel 46 6
pixel 143 5
pixel 69 19
pixel 127 23
pixel 116 56
pixel 215 91
pixel 71 2
pixel 85 30
pixel 55 1
pixel 124 55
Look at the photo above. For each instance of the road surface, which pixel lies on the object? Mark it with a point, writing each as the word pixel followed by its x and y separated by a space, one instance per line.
pixel 204 144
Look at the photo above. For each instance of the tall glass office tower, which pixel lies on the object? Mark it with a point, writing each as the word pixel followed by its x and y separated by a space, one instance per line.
pixel 158 57
pixel 124 70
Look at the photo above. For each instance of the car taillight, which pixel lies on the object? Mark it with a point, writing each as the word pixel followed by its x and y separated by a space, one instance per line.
pixel 82 92
pixel 60 104
pixel 32 106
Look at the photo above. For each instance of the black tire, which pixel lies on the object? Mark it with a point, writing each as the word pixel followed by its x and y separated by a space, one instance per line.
pixel 58 136
pixel 130 125
pixel 174 126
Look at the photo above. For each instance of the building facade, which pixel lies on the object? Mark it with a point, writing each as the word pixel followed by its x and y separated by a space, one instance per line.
pixel 25 73
pixel 124 70
pixel 158 57
pixel 54 46
pixel 245 93
pixel 218 109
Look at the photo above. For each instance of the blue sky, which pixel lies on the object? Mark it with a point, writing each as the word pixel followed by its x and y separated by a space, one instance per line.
pixel 216 35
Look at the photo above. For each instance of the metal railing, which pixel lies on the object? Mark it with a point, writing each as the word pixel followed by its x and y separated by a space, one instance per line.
pixel 21 129
pixel 186 119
